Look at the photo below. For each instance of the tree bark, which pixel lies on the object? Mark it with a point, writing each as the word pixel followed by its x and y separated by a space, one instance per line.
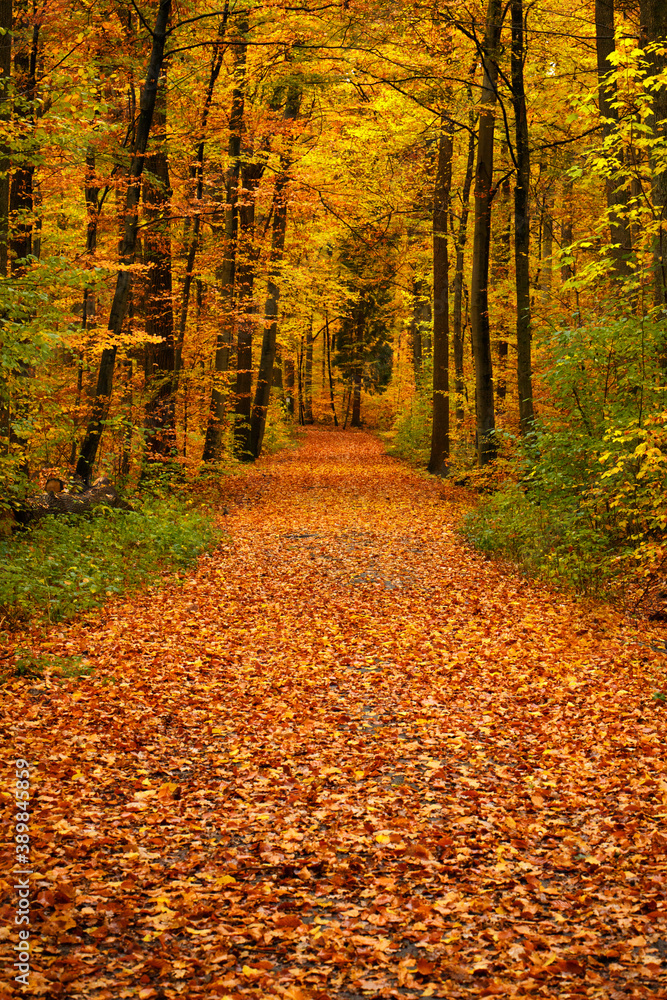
pixel 654 29
pixel 63 502
pixel 289 385
pixel 522 226
pixel 278 233
pixel 616 200
pixel 128 246
pixel 500 259
pixel 159 357
pixel 479 292
pixel 415 330
pixel 440 424
pixel 308 376
pixel 197 175
pixel 460 243
pixel 26 39
pixel 5 118
pixel 251 176
pixel 268 354
pixel 226 272
pixel 331 384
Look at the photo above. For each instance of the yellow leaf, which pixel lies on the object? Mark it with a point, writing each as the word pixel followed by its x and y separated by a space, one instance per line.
pixel 382 838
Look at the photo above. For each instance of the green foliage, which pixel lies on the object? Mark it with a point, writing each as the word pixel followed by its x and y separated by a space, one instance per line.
pixel 40 337
pixel 587 504
pixel 29 664
pixel 410 437
pixel 69 565
pixel 280 431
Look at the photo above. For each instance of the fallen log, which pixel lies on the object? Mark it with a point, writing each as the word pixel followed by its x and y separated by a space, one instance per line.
pixel 73 499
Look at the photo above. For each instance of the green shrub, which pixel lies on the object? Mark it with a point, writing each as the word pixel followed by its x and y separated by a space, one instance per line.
pixel 410 437
pixel 280 431
pixel 587 506
pixel 67 565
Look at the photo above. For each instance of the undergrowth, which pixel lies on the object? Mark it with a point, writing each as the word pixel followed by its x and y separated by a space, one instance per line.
pixel 67 565
pixel 584 505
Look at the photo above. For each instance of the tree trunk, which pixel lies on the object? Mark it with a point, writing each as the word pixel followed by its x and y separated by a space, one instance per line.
pixel 654 29
pixel 245 283
pixel 226 272
pixel 479 292
pixel 356 398
pixel 331 385
pixel 500 259
pixel 522 226
pixel 299 379
pixel 460 242
pixel 128 247
pixel 59 501
pixel 289 385
pixel 26 39
pixel 197 175
pixel 278 232
pixel 440 424
pixel 5 118
pixel 566 227
pixel 415 328
pixel 308 376
pixel 616 200
pixel 267 358
pixel 159 357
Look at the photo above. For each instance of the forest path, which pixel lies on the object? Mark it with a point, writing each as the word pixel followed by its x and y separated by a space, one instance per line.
pixel 347 758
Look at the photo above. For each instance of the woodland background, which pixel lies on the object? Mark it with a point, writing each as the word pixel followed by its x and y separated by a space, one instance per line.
pixel 444 221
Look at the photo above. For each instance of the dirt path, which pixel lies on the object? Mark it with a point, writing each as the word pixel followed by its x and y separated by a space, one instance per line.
pixel 347 758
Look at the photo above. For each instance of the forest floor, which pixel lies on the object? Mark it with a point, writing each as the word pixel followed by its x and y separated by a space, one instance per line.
pixel 346 758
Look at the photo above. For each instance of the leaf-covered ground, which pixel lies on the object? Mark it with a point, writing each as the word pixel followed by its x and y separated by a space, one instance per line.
pixel 346 758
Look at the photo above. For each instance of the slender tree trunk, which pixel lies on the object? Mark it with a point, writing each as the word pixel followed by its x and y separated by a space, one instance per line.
pixel 522 226
pixel 226 272
pixel 5 165
pixel 357 335
pixel 479 292
pixel 197 175
pixel 268 354
pixel 91 191
pixel 128 246
pixel 331 385
pixel 299 379
pixel 461 240
pixel 5 118
pixel 566 226
pixel 616 199
pixel 654 29
pixel 415 328
pixel 356 398
pixel 546 278
pixel 159 356
pixel 500 259
pixel 278 233
pixel 308 380
pixel 289 385
pixel 440 425
pixel 21 206
pixel 245 284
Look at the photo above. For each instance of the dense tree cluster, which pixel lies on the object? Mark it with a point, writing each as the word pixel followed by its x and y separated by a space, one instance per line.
pixel 208 211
